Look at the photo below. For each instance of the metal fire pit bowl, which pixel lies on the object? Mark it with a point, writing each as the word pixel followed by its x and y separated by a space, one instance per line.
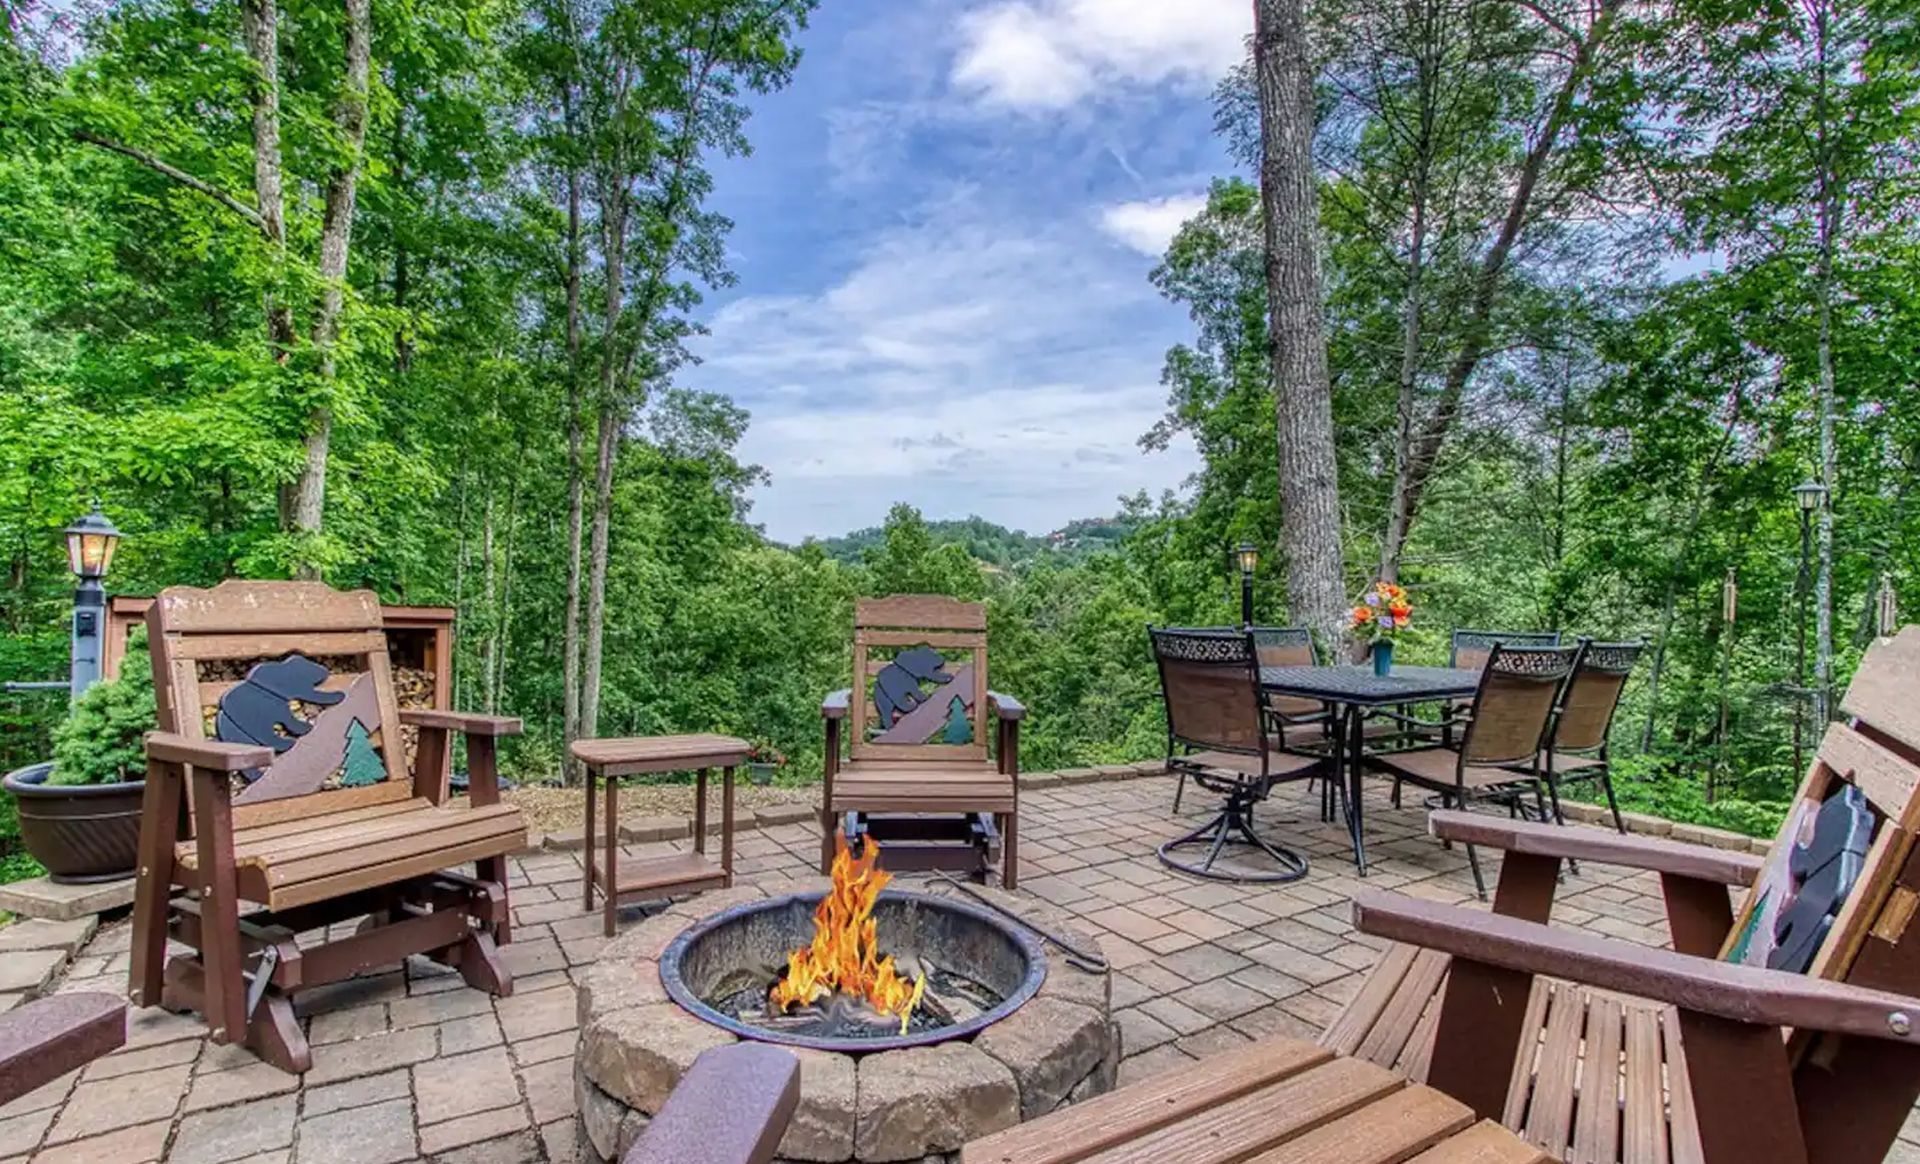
pixel 955 935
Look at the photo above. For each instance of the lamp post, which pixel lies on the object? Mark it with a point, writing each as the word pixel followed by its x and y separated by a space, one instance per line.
pixel 1808 495
pixel 90 545
pixel 1248 557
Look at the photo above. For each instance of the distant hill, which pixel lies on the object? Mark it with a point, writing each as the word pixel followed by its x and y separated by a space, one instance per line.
pixel 994 544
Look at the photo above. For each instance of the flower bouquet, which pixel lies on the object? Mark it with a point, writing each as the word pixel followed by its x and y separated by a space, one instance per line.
pixel 1382 614
pixel 763 760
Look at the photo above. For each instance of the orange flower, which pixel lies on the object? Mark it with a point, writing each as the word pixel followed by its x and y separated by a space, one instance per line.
pixel 1362 615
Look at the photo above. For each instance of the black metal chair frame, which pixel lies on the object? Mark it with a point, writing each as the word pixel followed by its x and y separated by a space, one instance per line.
pixel 1228 649
pixel 1526 772
pixel 1613 658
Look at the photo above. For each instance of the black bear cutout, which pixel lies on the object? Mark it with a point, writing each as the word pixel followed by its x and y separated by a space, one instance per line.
pixel 1824 872
pixel 259 709
pixel 896 688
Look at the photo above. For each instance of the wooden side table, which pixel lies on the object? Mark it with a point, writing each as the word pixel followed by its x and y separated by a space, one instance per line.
pixel 606 761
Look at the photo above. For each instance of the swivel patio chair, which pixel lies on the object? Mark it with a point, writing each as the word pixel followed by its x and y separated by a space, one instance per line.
pixel 1296 724
pixel 1519 688
pixel 1218 733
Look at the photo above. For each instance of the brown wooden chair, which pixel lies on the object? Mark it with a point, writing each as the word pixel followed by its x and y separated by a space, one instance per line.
pixel 919 776
pixel 1576 747
pixel 1499 741
pixel 1219 733
pixel 280 729
pixel 1647 1056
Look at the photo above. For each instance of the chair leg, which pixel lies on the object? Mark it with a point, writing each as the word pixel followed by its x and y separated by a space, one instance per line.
pixel 1396 792
pixel 826 841
pixel 1010 852
pixel 1479 880
pixel 1179 790
pixel 1606 783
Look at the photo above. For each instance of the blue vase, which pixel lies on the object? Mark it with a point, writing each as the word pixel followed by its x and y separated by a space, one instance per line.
pixel 1383 658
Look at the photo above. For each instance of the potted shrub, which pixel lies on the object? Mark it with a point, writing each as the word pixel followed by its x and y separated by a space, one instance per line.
pixel 762 762
pixel 80 813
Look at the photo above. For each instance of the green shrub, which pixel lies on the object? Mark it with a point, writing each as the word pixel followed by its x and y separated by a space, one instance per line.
pixel 100 740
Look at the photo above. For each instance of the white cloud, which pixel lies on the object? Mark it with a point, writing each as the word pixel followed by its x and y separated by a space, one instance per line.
pixel 1040 55
pixel 1149 224
pixel 966 364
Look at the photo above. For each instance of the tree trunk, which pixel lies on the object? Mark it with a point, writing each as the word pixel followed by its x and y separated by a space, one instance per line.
pixel 576 485
pixel 613 245
pixel 1309 481
pixel 1829 226
pixel 1425 451
pixel 259 26
pixel 336 236
pixel 488 599
pixel 1398 516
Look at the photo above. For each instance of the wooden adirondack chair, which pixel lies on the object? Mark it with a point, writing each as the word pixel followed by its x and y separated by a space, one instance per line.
pixel 1656 1074
pixel 280 730
pixel 917 740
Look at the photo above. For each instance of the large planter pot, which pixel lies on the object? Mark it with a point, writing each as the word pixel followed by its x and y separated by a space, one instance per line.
pixel 80 832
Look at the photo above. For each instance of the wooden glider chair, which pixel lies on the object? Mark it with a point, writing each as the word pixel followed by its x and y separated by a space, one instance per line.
pixel 281 731
pixel 919 776
pixel 1646 1056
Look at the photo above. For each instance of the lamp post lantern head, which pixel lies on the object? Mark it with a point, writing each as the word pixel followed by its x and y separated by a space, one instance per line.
pixel 1248 556
pixel 1810 495
pixel 90 545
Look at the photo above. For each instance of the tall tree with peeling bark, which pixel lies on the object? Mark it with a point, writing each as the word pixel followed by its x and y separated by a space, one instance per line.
pixel 1310 541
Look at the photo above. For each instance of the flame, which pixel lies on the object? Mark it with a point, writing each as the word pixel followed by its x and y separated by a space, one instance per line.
pixel 845 953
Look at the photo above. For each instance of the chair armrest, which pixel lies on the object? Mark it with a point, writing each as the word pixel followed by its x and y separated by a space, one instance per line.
pixel 834 706
pixel 463 722
pixel 1744 994
pixel 45 1039
pixel 213 755
pixel 1655 854
pixel 731 1107
pixel 1005 706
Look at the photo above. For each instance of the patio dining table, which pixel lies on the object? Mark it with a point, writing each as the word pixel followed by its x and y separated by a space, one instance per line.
pixel 1354 691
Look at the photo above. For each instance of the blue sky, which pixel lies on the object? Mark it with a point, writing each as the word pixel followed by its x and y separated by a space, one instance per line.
pixel 942 242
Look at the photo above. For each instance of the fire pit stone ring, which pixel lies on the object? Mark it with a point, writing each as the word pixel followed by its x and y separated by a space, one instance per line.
pixel 873 1104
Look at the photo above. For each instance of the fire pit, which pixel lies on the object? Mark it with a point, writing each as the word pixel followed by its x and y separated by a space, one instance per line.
pixel 807 969
pixel 920 1021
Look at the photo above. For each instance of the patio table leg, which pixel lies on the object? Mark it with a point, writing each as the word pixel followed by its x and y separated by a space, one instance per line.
pixel 1356 764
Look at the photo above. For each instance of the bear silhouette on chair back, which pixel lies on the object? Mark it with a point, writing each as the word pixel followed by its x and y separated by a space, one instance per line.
pixel 259 709
pixel 896 688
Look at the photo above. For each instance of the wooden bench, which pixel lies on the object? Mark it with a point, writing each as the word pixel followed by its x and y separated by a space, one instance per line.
pixel 286 777
pixel 1276 1101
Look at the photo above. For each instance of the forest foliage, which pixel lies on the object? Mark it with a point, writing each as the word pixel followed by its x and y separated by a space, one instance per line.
pixel 1582 409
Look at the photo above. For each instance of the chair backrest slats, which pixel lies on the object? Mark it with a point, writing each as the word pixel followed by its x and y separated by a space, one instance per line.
pixel 1210 681
pixel 1593 695
pixel 919 678
pixel 1471 647
pixel 1519 687
pixel 298 666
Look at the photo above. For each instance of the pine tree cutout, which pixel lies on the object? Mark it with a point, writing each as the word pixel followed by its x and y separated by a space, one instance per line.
pixel 959 729
pixel 362 765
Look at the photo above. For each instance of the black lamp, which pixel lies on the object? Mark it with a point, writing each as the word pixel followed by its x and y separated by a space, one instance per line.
pixel 90 545
pixel 1248 557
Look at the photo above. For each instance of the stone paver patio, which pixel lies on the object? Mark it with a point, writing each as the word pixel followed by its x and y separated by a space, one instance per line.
pixel 411 1065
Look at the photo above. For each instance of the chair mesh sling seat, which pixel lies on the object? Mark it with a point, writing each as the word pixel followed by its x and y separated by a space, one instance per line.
pixel 920 776
pixel 1519 688
pixel 1576 747
pixel 313 795
pixel 1217 733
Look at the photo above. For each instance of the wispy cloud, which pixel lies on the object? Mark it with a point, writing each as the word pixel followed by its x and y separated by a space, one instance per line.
pixel 1041 55
pixel 1149 224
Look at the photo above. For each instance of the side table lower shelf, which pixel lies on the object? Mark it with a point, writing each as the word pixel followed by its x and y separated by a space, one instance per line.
pixel 658 876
